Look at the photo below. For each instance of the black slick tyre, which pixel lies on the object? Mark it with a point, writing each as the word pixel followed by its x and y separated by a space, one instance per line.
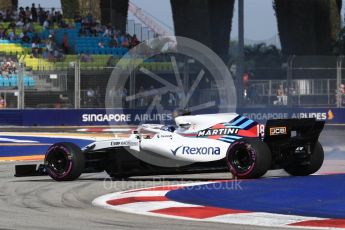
pixel 248 158
pixel 295 168
pixel 64 161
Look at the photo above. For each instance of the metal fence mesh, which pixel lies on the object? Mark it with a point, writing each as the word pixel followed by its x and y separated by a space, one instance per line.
pixel 304 81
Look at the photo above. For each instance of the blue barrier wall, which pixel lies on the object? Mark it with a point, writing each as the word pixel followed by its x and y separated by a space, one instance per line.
pixel 84 117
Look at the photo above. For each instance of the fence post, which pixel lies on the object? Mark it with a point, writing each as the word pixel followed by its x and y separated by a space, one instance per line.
pixel 21 88
pixel 339 69
pixel 77 84
pixel 240 60
pixel 289 78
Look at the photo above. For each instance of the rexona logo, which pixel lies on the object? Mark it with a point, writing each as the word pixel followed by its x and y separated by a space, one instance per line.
pixel 278 131
pixel 218 132
pixel 196 150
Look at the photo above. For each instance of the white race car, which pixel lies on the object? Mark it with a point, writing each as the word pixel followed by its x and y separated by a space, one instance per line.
pixel 198 143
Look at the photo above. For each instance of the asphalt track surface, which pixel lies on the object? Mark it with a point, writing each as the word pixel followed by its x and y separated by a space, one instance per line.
pixel 40 203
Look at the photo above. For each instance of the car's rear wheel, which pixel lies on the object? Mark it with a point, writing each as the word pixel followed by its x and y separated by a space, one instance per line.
pixel 64 161
pixel 307 167
pixel 248 158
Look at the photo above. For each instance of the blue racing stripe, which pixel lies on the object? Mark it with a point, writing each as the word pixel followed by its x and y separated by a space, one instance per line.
pixel 245 124
pixel 231 137
pixel 242 126
pixel 238 121
pixel 226 140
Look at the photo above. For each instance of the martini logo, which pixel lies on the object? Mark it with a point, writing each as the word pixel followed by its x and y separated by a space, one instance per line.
pixel 218 132
pixel 196 150
pixel 278 131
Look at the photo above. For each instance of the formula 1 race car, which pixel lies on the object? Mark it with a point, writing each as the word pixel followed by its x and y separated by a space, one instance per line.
pixel 198 143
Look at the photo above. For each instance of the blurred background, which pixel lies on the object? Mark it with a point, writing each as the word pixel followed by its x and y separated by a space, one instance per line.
pixel 285 57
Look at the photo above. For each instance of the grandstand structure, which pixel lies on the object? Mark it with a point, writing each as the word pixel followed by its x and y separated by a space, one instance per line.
pixel 54 78
pixel 68 79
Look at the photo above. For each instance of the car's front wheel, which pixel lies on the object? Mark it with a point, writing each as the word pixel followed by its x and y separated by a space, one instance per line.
pixel 64 161
pixel 248 158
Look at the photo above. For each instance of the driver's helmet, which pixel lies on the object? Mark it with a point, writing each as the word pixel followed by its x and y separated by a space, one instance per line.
pixel 169 128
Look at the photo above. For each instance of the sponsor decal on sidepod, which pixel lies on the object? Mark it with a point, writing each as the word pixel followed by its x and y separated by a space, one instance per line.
pixel 217 132
pixel 197 150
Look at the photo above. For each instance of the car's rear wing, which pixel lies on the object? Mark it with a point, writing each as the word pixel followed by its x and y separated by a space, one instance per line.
pixel 305 129
pixel 285 136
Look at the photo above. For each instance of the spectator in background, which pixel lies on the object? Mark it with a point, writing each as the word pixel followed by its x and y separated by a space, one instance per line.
pixel 29 27
pixel 45 54
pixel 85 58
pixel 281 96
pixel 134 41
pixel 340 96
pixel 25 38
pixel 65 43
pixel 107 32
pixel 58 55
pixel 27 13
pixel 33 12
pixel 90 98
pixel 12 35
pixel 36 38
pixel 8 67
pixel 101 44
pixel 120 39
pixel 8 15
pixel 62 101
pixel 41 16
pixel 50 47
pixel 77 19
pixel 113 43
pixel 124 41
pixel 50 44
pixel 58 17
pixel 82 31
pixel 93 30
pixel 62 24
pixel 20 23
pixel 89 18
pixel 2 103
pixel 46 24
pixel 2 32
pixel 21 13
pixel 253 94
pixel 12 25
pixel 35 49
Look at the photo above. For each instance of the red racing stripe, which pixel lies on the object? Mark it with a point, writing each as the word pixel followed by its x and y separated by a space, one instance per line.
pixel 189 134
pixel 129 200
pixel 214 137
pixel 218 126
pixel 248 133
pixel 328 223
pixel 197 212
